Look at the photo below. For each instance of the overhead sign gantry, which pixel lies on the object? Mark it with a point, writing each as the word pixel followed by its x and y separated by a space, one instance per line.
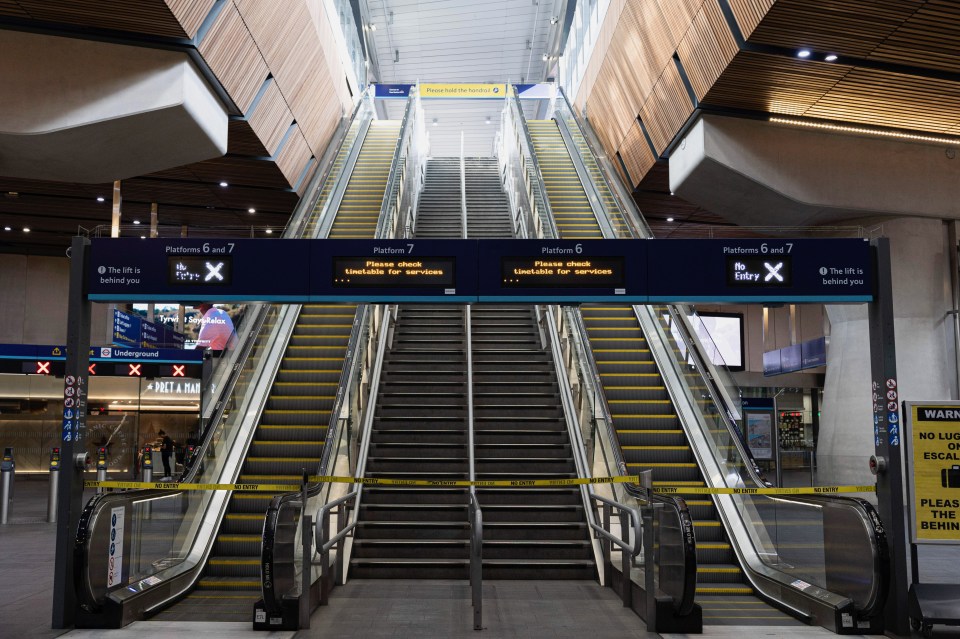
pixel 479 271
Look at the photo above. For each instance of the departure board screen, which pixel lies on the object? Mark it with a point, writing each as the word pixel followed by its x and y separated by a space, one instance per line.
pixel 562 272
pixel 199 271
pixel 759 272
pixel 394 272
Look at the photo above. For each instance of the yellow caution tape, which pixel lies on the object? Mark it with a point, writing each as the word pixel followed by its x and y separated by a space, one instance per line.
pixel 810 490
pixel 456 483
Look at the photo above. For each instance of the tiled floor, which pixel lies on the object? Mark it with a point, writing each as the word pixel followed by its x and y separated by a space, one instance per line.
pixel 372 610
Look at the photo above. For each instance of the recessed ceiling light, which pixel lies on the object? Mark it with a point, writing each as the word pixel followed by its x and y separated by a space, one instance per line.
pixel 830 57
pixel 488 120
pixel 669 219
pixel 136 221
pixel 435 123
pixel 251 210
pixel 269 231
pixel 224 184
pixel 803 53
pixel 26 229
pixel 100 198
pixel 545 57
pixel 7 228
pixel 143 237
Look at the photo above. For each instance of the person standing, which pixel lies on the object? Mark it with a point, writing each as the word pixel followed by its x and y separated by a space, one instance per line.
pixel 216 329
pixel 166 450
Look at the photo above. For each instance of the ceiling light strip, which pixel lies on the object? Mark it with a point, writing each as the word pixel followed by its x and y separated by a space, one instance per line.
pixel 810 124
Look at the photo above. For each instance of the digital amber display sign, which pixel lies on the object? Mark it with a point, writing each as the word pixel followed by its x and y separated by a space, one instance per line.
pixel 394 272
pixel 562 272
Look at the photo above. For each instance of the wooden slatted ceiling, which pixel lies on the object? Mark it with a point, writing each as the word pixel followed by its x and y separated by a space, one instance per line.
pixel 234 57
pixel 749 13
pixel 12 8
pixel 667 109
pixel 151 17
pixel 294 156
pixel 636 154
pixel 929 38
pixel 600 48
pixel 891 100
pixel 706 49
pixel 846 27
pixel 242 140
pixel 271 119
pixel 290 46
pixel 774 84
pixel 190 13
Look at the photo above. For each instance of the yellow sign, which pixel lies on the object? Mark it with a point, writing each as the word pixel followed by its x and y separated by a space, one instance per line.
pixel 935 462
pixel 434 90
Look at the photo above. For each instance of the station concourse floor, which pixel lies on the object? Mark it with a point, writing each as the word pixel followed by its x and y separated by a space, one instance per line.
pixel 366 609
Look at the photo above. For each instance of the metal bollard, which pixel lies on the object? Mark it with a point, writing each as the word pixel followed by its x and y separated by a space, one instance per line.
pixel 54 484
pixel 147 464
pixel 101 467
pixel 7 468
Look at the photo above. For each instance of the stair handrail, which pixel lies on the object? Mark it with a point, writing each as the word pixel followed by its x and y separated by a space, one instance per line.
pixel 463 189
pixel 475 512
pixel 355 364
pixel 592 384
pixel 528 150
pixel 389 209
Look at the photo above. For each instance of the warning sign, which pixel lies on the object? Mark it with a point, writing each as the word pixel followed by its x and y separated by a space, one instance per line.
pixel 934 459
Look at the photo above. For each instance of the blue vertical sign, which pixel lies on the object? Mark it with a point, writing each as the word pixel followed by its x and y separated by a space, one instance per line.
pixel 126 329
pixel 151 335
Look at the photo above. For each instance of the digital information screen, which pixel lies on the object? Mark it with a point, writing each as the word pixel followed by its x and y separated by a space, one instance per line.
pixel 759 272
pixel 394 272
pixel 199 271
pixel 562 272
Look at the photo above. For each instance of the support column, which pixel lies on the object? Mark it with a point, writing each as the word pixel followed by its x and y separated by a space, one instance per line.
pixel 925 350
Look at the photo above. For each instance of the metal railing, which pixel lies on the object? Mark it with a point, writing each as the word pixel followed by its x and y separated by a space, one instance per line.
pixel 288 560
pixel 591 430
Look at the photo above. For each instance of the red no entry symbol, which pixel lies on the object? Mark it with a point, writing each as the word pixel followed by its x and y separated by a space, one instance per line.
pixel 43 368
pixel 178 370
pixel 134 370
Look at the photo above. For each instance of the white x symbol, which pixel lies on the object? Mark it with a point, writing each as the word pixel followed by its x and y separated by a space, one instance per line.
pixel 213 272
pixel 774 272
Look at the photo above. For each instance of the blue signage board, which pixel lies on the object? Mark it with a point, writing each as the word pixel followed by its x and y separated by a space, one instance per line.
pixel 739 270
pixel 563 271
pixel 394 271
pixel 771 363
pixel 126 329
pixel 790 358
pixel 33 351
pixel 102 353
pixel 160 270
pixel 173 339
pixel 151 334
pixel 392 90
pixel 156 355
pixel 813 353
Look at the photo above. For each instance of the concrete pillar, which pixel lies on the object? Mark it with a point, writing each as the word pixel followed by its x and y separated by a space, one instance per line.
pixel 926 350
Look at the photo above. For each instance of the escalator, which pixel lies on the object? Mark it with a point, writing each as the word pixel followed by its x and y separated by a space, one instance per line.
pixel 420 427
pixel 290 436
pixel 646 422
